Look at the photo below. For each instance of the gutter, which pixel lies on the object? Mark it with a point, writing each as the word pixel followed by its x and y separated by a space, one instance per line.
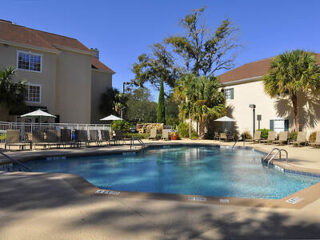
pixel 244 80
pixel 27 46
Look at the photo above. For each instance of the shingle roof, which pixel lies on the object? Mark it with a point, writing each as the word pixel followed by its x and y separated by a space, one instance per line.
pixel 99 65
pixel 20 34
pixel 250 70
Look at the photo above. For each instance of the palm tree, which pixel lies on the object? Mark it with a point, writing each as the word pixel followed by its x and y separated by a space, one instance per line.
pixel 203 99
pixel 12 94
pixel 290 74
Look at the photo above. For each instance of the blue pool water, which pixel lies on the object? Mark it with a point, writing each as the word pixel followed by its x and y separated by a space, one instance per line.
pixel 196 170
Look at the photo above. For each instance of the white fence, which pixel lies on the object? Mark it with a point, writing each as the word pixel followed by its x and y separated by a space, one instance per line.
pixel 29 127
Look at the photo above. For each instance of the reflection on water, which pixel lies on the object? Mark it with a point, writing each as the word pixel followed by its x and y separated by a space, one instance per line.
pixel 196 170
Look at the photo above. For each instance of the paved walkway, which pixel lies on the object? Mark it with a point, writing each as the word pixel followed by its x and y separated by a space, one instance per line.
pixel 45 206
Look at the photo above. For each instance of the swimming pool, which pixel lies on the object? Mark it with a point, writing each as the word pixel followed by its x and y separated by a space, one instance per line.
pixel 194 170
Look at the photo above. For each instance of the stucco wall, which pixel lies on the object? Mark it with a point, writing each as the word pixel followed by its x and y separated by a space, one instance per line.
pixel 253 93
pixel 100 82
pixel 45 78
pixel 73 86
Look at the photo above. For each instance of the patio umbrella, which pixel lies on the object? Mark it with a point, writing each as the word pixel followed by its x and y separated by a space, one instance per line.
pixel 38 113
pixel 225 119
pixel 111 118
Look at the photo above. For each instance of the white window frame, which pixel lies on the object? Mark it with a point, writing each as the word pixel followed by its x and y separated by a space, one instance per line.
pixel 40 95
pixel 30 53
pixel 229 89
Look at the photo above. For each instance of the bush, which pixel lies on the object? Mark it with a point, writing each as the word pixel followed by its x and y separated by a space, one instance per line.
pixel 194 135
pixel 172 121
pixel 183 129
pixel 293 136
pixel 139 135
pixel 312 137
pixel 121 125
pixel 246 135
pixel 264 133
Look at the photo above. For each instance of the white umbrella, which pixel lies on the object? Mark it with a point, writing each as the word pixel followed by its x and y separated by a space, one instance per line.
pixel 225 119
pixel 111 118
pixel 38 113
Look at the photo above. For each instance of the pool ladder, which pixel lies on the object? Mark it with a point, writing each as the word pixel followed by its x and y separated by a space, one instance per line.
pixel 274 152
pixel 22 167
pixel 139 140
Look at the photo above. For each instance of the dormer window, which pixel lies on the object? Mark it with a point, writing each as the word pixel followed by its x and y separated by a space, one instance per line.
pixel 29 61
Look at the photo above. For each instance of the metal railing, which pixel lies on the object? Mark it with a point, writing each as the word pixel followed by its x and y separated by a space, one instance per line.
pixel 12 160
pixel 273 155
pixel 30 127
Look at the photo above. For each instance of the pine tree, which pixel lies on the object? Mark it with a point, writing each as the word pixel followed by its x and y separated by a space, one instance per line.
pixel 160 107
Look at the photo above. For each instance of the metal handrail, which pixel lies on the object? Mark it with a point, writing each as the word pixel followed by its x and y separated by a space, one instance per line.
pixel 138 139
pixel 275 154
pixel 15 161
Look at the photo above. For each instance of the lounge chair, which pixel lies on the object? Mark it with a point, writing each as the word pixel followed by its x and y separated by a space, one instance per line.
pixel 283 138
pixel 105 136
pixel 66 139
pixel 13 139
pixel 317 141
pixel 216 136
pixel 270 139
pixel 118 137
pixel 153 134
pixel 301 139
pixel 165 134
pixel 256 137
pixel 93 136
pixel 223 137
pixel 51 139
pixel 81 137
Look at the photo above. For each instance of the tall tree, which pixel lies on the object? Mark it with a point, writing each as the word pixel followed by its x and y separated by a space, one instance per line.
pixel 155 67
pixel 204 52
pixel 12 94
pixel 161 107
pixel 112 102
pixel 140 106
pixel 291 73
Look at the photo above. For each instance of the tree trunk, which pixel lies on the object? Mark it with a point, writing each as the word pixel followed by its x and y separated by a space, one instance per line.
pixel 201 132
pixel 190 125
pixel 294 100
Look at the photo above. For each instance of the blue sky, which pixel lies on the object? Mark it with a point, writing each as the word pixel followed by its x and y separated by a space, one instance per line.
pixel 122 30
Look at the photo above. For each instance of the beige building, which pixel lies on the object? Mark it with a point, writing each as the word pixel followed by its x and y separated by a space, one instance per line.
pixel 243 86
pixel 63 76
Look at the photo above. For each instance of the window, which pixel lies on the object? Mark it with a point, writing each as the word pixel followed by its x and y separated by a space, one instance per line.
pixel 279 125
pixel 33 94
pixel 29 61
pixel 229 93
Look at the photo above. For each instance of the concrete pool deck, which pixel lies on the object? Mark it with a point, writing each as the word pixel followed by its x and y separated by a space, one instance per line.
pixel 47 206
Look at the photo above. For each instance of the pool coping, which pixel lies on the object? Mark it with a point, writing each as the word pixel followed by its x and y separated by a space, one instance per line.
pixel 296 200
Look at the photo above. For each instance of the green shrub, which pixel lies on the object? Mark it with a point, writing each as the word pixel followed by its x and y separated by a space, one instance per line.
pixel 139 135
pixel 194 135
pixel 121 125
pixel 172 121
pixel 264 133
pixel 183 129
pixel 312 137
pixel 246 135
pixel 293 136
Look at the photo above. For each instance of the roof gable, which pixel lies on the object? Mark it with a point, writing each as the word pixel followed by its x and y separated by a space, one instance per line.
pixel 250 70
pixel 20 34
